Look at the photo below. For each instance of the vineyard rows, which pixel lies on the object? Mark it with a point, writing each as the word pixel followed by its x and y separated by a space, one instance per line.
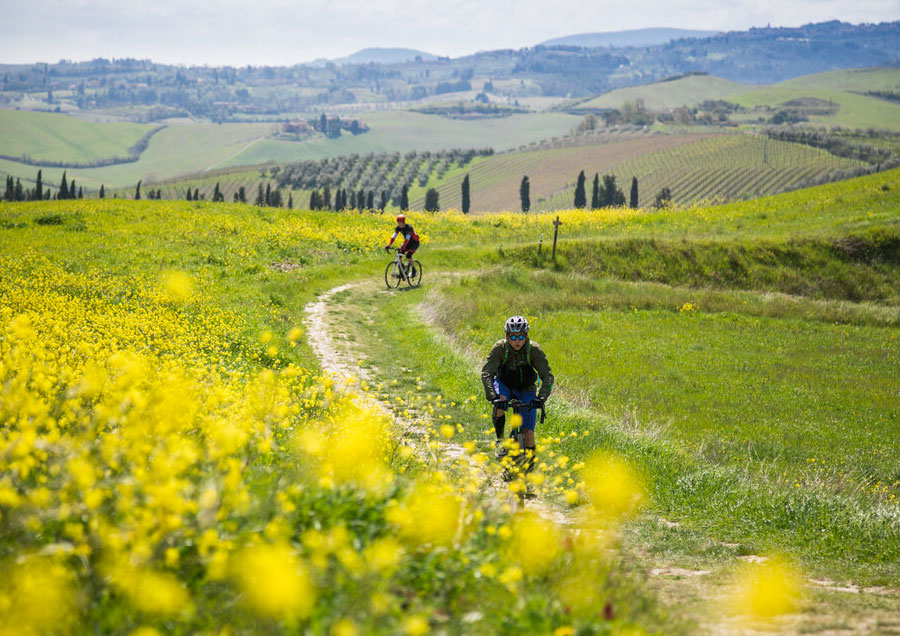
pixel 715 169
pixel 696 168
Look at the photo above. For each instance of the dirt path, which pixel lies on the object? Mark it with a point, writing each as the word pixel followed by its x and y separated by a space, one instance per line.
pixel 341 358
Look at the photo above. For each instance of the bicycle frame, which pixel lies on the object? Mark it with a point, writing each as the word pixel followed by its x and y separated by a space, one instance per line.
pixel 398 271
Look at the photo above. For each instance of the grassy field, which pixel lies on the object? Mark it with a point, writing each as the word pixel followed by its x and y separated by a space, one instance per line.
pixel 51 137
pixel 685 91
pixel 842 88
pixel 164 426
pixel 190 148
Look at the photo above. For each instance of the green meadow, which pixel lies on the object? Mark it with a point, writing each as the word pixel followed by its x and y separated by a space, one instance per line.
pixel 166 424
pixel 63 138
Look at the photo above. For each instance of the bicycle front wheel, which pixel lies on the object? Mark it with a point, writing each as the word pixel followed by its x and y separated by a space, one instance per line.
pixel 415 276
pixel 392 275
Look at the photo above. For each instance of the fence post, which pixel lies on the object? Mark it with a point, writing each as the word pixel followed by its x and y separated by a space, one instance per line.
pixel 556 225
pixel 540 244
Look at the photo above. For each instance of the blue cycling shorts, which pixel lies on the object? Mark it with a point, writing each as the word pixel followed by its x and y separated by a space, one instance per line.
pixel 529 416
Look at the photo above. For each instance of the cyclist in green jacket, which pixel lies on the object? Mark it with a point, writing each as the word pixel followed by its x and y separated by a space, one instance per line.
pixel 512 369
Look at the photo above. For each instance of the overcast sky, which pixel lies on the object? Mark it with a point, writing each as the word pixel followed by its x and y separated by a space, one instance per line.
pixel 279 32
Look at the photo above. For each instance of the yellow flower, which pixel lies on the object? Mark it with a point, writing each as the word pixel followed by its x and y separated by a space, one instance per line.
pixel 273 581
pixel 614 488
pixel 765 590
pixel 41 598
pixel 416 625
pixel 150 591
pixel 427 516
pixel 177 286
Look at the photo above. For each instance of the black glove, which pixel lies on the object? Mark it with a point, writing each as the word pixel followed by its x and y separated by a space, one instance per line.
pixel 537 403
pixel 500 403
pixel 387 248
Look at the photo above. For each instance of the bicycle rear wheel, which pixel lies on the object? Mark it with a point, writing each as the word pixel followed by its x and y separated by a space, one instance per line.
pixel 392 275
pixel 415 279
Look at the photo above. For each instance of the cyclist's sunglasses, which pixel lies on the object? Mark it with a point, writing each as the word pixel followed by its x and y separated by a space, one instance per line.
pixel 520 336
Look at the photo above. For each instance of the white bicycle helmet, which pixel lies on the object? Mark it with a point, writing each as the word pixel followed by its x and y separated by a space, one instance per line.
pixel 516 324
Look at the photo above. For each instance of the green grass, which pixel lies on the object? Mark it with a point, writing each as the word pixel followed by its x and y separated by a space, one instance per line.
pixel 62 138
pixel 685 91
pixel 843 88
pixel 669 345
pixel 764 420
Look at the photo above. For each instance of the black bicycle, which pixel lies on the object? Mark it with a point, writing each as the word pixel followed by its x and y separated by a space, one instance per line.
pixel 520 464
pixel 398 271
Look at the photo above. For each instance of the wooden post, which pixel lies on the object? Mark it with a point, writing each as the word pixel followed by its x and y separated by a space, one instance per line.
pixel 540 244
pixel 556 225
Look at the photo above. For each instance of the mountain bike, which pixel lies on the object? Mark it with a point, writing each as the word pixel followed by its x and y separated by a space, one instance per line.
pixel 517 464
pixel 398 271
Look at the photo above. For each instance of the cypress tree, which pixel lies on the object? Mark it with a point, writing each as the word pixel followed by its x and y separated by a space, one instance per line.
pixel 370 200
pixel 465 195
pixel 217 194
pixel 81 193
pixel 10 189
pixel 525 193
pixel 242 194
pixel 102 191
pixel 609 196
pixel 39 188
pixel 268 193
pixel 404 198
pixel 314 200
pixel 260 196
pixel 276 201
pixel 580 197
pixel 196 194
pixel 19 192
pixel 73 193
pixel 188 196
pixel 595 193
pixel 291 200
pixel 63 187
pixel 634 193
pixel 353 204
pixel 137 191
pixel 326 198
pixel 431 200
pixel 360 199
pixel 384 200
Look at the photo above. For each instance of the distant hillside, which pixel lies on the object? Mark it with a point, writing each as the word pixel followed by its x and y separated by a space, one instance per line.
pixel 684 91
pixel 634 37
pixel 144 91
pixel 385 56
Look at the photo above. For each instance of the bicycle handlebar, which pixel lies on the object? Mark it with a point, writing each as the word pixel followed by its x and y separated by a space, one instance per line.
pixel 516 403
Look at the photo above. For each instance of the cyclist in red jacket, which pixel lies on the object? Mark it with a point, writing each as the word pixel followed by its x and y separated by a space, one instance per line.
pixel 410 241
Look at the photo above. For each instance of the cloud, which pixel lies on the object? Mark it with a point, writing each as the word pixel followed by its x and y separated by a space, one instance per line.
pixel 283 31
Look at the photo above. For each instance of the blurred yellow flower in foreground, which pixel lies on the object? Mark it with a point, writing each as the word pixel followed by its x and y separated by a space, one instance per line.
pixel 36 597
pixel 614 488
pixel 273 581
pixel 428 516
pixel 150 591
pixel 534 544
pixel 764 591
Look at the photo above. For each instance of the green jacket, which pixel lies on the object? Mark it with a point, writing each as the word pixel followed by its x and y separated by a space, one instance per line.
pixel 517 369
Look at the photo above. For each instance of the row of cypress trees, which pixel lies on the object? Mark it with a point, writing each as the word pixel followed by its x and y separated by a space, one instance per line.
pixel 15 191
